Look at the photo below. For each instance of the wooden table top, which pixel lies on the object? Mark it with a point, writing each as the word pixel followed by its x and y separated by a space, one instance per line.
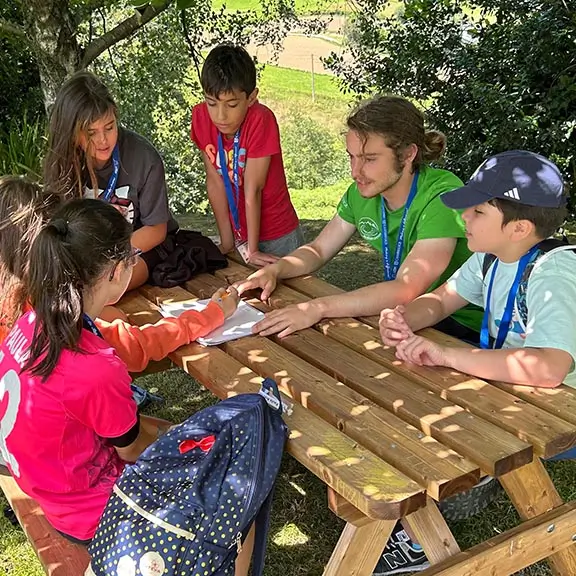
pixel 380 433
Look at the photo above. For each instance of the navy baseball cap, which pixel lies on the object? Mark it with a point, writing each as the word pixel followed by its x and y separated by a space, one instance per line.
pixel 518 176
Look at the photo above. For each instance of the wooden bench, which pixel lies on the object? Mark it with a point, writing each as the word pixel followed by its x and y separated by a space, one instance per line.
pixel 58 556
pixel 389 441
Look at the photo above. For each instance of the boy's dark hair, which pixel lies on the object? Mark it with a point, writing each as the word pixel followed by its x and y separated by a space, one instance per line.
pixel 401 124
pixel 24 207
pixel 68 257
pixel 82 100
pixel 546 220
pixel 227 68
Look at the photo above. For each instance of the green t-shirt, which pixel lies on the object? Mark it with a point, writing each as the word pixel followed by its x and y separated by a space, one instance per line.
pixel 427 218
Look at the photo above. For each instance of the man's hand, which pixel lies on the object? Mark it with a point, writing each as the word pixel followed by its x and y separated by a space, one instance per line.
pixel 261 258
pixel 422 352
pixel 288 320
pixel 265 279
pixel 393 326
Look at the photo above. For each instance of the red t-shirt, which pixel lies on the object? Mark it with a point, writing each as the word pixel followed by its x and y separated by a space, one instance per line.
pixel 259 137
pixel 52 432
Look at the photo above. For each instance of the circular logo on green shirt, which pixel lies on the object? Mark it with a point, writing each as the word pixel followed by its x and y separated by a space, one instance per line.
pixel 368 228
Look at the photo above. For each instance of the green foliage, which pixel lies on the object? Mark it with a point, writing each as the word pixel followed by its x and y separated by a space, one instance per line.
pixel 19 75
pixel 312 156
pixel 495 74
pixel 22 147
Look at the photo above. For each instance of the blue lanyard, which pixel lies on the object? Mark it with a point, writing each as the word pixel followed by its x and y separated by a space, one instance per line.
pixel 89 325
pixel 111 186
pixel 233 200
pixel 507 316
pixel 390 273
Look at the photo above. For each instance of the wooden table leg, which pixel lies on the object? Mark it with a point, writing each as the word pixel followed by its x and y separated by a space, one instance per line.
pixel 432 532
pixel 532 492
pixel 359 549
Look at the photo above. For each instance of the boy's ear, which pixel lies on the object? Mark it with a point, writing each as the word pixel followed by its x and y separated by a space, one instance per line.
pixel 521 229
pixel 253 97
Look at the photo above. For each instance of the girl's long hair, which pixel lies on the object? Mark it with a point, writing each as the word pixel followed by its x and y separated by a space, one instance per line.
pixel 68 257
pixel 81 101
pixel 24 207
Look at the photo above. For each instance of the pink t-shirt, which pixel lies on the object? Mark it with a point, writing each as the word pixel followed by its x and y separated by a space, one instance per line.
pixel 52 432
pixel 259 137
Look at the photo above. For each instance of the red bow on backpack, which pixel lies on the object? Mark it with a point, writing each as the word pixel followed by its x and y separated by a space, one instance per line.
pixel 204 444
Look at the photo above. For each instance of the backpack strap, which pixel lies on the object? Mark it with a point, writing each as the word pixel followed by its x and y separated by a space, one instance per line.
pixel 262 527
pixel 486 263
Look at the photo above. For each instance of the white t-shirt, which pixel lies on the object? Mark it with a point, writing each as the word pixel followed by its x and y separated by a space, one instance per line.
pixel 550 299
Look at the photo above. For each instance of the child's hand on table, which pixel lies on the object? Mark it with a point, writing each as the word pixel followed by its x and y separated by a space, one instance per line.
pixel 227 299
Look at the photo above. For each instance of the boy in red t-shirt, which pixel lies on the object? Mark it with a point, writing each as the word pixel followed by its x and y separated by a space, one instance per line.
pixel 250 197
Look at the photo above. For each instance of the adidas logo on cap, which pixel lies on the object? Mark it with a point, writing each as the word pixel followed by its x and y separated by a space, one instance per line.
pixel 512 193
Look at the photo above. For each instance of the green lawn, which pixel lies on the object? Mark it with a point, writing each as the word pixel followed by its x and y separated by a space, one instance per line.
pixel 303 531
pixel 301 6
pixel 288 92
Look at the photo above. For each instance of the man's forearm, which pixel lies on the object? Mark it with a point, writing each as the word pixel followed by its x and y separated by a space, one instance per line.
pixel 304 260
pixel 523 366
pixel 426 310
pixel 364 301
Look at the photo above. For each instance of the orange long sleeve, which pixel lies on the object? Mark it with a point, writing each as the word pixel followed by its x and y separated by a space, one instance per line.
pixel 137 345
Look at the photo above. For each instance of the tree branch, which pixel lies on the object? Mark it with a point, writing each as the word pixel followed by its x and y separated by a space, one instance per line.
pixel 122 31
pixel 11 29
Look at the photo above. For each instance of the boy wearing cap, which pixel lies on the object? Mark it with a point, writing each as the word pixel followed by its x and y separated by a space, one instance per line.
pixel 511 204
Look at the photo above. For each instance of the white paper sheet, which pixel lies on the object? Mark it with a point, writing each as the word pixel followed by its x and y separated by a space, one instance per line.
pixel 237 326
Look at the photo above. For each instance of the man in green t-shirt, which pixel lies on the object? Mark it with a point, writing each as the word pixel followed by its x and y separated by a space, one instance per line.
pixel 394 188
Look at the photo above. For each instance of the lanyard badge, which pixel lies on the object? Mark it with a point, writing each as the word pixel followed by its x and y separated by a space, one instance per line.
pixel 507 316
pixel 111 186
pixel 232 195
pixel 391 270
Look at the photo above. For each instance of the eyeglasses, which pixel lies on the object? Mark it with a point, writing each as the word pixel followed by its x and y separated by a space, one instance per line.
pixel 131 260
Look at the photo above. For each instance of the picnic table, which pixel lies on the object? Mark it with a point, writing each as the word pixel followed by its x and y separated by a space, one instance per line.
pixel 391 440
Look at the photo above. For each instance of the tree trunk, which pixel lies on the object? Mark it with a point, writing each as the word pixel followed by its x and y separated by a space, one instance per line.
pixel 52 35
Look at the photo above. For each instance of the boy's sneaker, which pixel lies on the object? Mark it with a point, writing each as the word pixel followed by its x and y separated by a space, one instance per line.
pixel 401 555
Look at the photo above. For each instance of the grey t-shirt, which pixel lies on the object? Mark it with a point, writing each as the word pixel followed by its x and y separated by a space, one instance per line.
pixel 140 193
pixel 550 301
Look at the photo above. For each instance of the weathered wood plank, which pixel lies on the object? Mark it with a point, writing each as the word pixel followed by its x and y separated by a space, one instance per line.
pixel 375 488
pixel 560 402
pixel 402 445
pixel 358 549
pixel 58 556
pixel 346 511
pixel 432 533
pixel 548 434
pixel 495 451
pixel 533 493
pixel 515 549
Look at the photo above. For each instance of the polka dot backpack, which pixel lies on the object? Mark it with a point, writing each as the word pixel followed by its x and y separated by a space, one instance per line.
pixel 187 504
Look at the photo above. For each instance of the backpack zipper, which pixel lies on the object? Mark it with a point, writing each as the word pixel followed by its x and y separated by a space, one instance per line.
pixel 238 541
pixel 151 518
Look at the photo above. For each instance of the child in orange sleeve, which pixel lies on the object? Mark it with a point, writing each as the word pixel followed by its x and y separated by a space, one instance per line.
pixel 24 208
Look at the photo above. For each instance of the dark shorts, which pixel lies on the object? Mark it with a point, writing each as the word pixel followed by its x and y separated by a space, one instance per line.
pixel 452 328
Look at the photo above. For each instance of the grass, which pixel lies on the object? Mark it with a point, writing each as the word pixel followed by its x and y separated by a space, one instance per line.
pixel 303 531
pixel 287 92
